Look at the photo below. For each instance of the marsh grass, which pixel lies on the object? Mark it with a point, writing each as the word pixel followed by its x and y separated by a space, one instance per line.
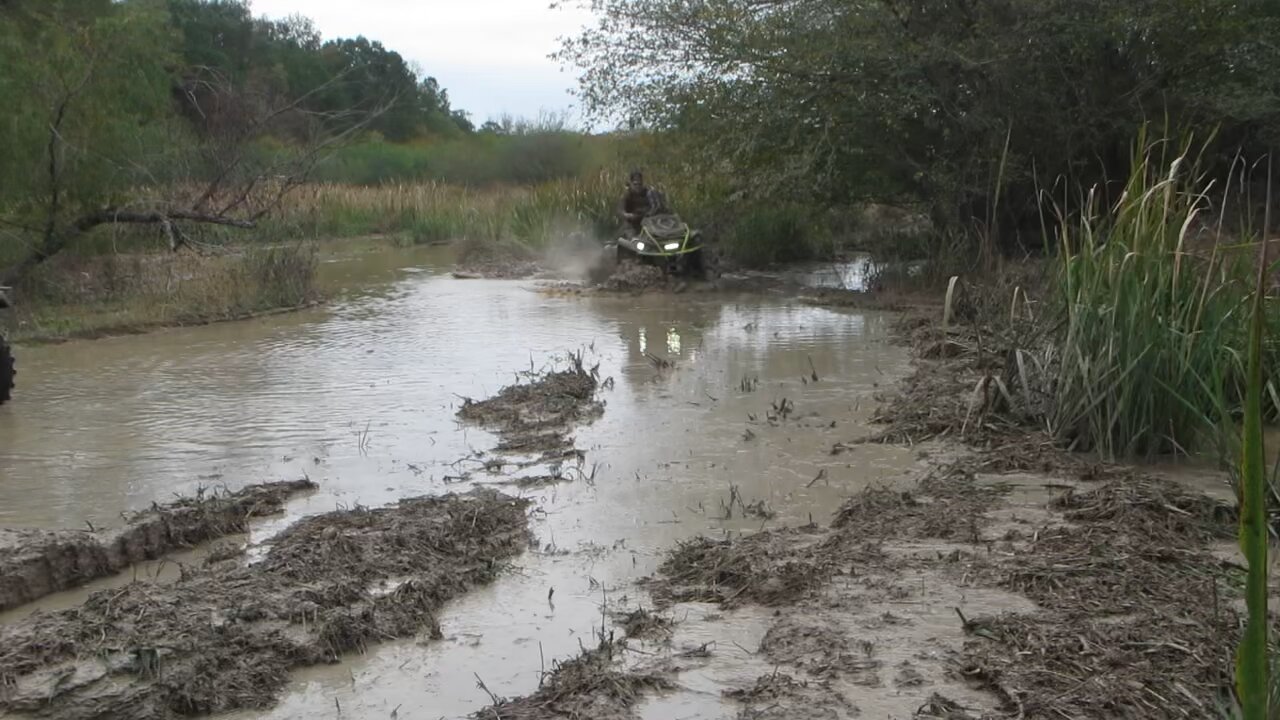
pixel 76 296
pixel 427 213
pixel 1154 310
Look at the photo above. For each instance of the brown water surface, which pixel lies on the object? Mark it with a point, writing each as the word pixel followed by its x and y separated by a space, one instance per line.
pixel 361 396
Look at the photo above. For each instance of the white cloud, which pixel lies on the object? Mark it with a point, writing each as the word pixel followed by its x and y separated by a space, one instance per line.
pixel 491 55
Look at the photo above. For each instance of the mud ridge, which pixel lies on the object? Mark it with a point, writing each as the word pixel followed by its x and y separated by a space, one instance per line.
pixel 591 685
pixel 36 563
pixel 226 636
pixel 535 417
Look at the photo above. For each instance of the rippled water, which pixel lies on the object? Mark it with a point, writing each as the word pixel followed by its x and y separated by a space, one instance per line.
pixel 360 396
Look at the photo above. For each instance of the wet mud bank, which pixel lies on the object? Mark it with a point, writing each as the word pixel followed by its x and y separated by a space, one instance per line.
pixel 36 563
pixel 227 635
pixel 1011 580
pixel 953 600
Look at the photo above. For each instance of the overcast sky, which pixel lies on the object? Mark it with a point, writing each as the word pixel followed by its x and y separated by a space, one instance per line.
pixel 491 55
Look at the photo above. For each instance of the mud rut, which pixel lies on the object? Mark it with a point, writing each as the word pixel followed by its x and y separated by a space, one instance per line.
pixel 1114 603
pixel 1112 594
pixel 226 635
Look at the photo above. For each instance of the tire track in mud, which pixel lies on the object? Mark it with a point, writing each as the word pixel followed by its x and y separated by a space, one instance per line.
pixel 1102 597
pixel 226 636
pixel 36 563
pixel 948 601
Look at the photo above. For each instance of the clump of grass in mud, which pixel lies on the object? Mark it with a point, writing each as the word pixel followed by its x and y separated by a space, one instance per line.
pixel 1159 510
pixel 642 624
pixel 779 696
pixel 948 505
pixel 226 637
pixel 1161 666
pixel 767 568
pixel 591 685
pixel 964 384
pixel 822 651
pixel 1138 617
pixel 536 416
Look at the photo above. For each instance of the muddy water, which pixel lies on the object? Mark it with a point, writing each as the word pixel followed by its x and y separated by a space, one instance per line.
pixel 360 396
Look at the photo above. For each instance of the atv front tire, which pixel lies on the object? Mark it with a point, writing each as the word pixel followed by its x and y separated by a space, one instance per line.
pixel 7 372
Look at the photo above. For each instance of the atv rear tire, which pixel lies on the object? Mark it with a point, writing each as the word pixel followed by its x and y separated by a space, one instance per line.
pixel 7 372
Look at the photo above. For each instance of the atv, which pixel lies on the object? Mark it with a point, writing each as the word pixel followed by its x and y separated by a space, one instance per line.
pixel 666 241
pixel 7 371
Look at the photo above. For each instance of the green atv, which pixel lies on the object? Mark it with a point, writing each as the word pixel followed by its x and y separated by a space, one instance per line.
pixel 7 371
pixel 666 241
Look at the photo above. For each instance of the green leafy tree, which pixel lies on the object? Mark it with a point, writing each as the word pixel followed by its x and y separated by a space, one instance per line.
pixel 93 137
pixel 960 104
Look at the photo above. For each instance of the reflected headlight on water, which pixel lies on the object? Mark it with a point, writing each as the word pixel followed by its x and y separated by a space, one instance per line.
pixel 671 246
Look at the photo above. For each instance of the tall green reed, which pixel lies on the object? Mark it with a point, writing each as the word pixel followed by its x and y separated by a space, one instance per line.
pixel 1154 307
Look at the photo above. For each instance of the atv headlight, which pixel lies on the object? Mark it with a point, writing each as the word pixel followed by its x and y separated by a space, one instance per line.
pixel 639 245
pixel 671 246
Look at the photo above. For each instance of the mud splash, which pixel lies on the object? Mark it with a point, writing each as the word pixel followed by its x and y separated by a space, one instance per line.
pixel 35 563
pixel 226 636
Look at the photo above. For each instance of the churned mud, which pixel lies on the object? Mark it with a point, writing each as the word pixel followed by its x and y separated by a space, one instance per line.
pixel 536 417
pixel 227 635
pixel 1108 603
pixel 591 685
pixel 36 563
pixel 1102 592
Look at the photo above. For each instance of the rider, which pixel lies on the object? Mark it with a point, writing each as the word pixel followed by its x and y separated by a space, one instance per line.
pixel 638 202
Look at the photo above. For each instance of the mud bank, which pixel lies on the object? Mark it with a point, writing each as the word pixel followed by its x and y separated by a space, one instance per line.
pixel 588 686
pixel 226 636
pixel 955 600
pixel 1012 580
pixel 35 563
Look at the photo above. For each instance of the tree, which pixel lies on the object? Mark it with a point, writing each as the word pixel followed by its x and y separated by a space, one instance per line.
pixel 91 118
pixel 964 105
